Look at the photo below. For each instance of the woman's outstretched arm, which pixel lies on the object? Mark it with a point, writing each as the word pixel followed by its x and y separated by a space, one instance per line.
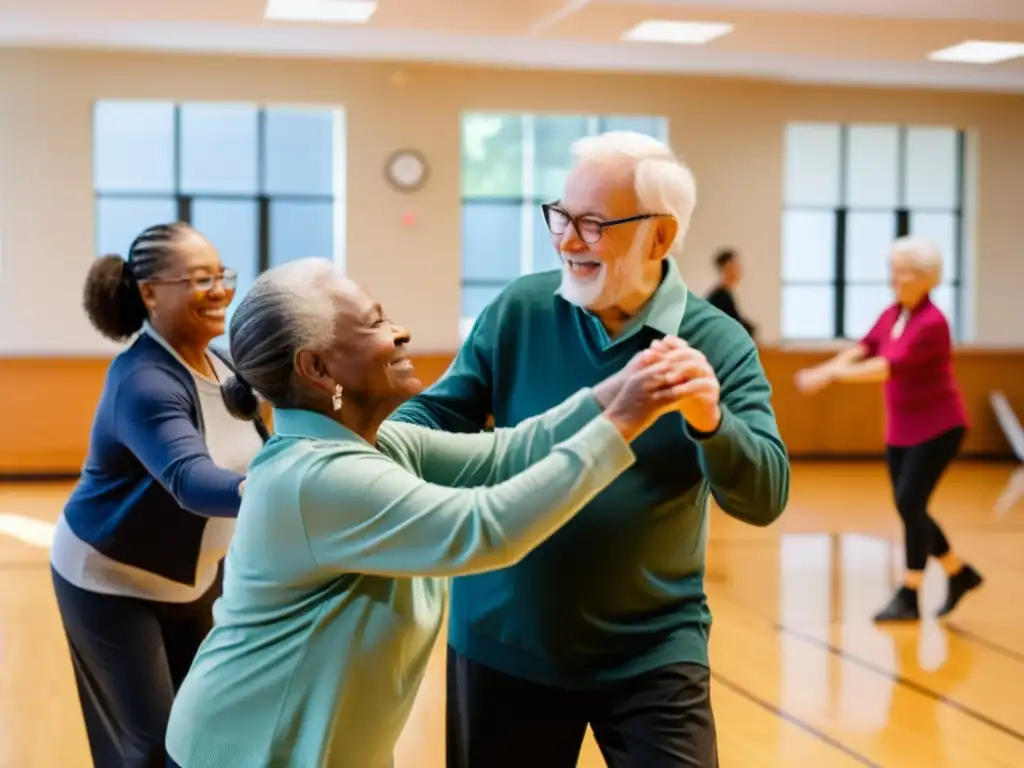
pixel 365 513
pixel 484 458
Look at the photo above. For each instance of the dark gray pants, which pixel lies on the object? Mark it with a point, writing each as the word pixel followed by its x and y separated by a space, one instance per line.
pixel 129 656
pixel 661 719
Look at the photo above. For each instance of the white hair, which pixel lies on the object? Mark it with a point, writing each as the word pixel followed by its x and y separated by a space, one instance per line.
pixel 288 308
pixel 664 184
pixel 923 255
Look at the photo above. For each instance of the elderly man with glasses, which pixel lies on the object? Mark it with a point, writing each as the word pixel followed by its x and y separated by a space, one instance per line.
pixel 607 622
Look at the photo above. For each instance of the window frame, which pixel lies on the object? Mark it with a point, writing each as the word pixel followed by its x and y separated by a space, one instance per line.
pixel 528 202
pixel 902 214
pixel 263 200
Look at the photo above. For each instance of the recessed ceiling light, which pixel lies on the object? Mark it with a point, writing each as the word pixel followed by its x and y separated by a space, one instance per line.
pixel 337 11
pixel 680 32
pixel 979 52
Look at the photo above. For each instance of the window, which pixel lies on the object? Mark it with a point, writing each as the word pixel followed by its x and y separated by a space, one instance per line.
pixel 264 184
pixel 511 163
pixel 850 190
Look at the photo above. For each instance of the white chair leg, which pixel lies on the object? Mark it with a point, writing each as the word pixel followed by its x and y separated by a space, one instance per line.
pixel 1014 433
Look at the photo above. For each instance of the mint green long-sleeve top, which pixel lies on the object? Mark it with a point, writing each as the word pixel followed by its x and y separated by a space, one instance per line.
pixel 335 582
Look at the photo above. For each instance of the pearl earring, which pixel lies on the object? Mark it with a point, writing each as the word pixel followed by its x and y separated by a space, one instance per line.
pixel 336 398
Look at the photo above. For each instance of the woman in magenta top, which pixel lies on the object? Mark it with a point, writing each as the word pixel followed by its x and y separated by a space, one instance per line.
pixel 910 350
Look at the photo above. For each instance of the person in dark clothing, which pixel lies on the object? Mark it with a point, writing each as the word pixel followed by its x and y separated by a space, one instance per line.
pixel 727 262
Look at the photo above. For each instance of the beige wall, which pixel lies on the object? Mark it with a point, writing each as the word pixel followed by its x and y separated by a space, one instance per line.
pixel 730 131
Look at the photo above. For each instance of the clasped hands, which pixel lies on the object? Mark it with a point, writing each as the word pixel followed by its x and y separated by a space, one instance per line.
pixel 669 375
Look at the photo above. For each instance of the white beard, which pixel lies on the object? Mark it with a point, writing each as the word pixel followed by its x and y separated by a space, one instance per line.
pixel 610 285
pixel 583 292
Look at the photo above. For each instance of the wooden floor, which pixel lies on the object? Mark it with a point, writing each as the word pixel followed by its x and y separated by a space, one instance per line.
pixel 802 677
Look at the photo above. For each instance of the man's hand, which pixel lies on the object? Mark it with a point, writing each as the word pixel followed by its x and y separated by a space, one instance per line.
pixel 648 392
pixel 699 395
pixel 609 389
pixel 700 391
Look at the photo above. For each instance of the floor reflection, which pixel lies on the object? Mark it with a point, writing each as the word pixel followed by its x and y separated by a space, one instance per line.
pixel 804 679
pixel 837 667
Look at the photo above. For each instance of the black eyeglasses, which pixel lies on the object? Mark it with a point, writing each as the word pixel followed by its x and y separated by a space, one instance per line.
pixel 203 283
pixel 588 228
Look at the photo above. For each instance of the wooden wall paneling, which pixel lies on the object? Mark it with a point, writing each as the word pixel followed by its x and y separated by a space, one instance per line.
pixel 46 407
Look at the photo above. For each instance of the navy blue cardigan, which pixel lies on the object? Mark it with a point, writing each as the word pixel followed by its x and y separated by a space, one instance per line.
pixel 149 485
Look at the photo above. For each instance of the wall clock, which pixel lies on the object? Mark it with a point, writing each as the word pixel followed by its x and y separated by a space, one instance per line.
pixel 406 170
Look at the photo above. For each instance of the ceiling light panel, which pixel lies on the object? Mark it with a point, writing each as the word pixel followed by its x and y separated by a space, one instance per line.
pixel 979 52
pixel 677 32
pixel 326 11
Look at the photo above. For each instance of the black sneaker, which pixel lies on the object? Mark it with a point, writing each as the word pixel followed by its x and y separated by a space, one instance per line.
pixel 902 607
pixel 959 585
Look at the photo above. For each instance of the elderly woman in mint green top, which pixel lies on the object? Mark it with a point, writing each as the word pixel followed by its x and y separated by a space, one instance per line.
pixel 334 584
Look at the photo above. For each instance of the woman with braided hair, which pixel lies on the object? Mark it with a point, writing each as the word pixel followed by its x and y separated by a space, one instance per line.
pixel 136 557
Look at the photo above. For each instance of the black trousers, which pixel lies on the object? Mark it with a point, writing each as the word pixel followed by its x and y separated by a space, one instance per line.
pixel 915 472
pixel 130 656
pixel 662 719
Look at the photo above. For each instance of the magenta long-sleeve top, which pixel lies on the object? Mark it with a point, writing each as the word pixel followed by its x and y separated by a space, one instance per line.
pixel 922 399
